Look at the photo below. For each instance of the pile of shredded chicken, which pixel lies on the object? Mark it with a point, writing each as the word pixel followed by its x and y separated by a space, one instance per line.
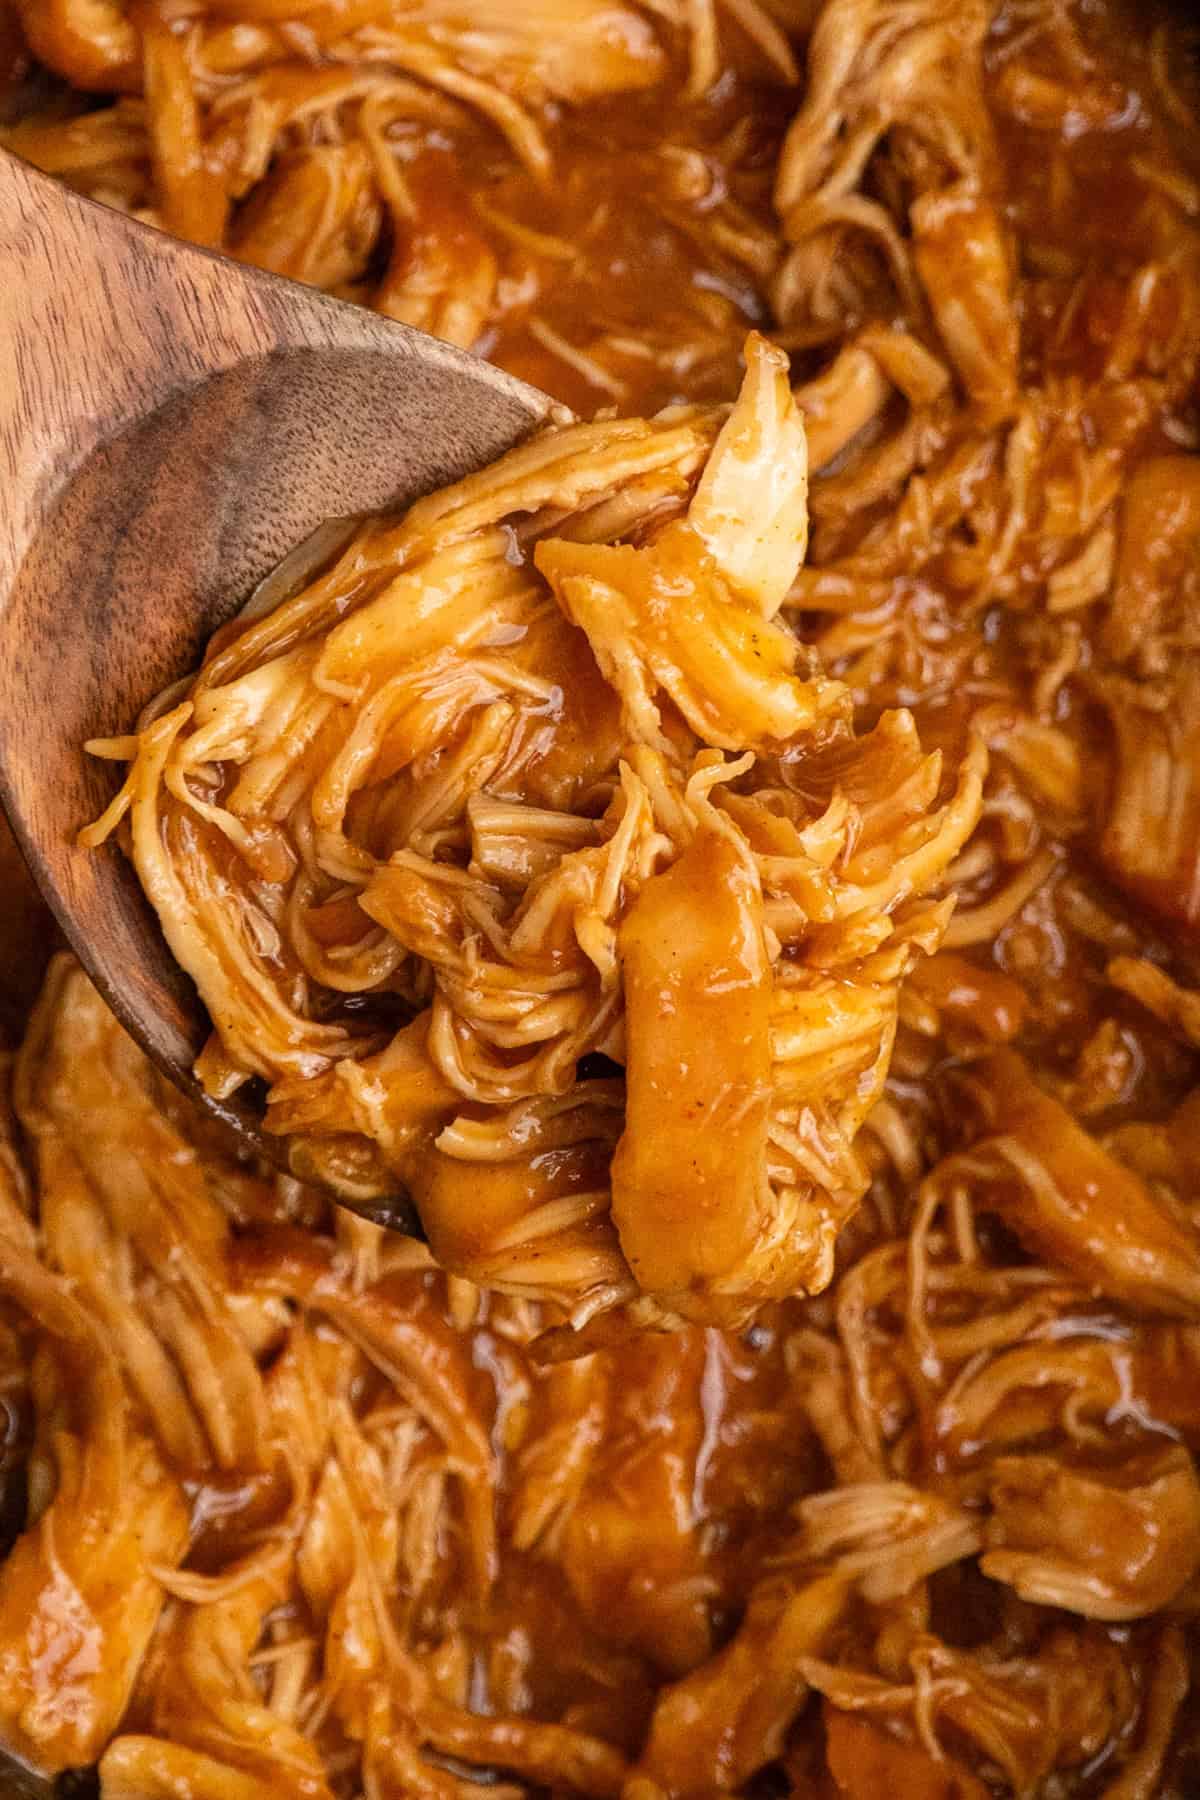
pixel 798 945
pixel 540 766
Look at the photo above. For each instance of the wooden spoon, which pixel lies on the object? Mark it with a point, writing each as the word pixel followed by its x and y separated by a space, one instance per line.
pixel 171 423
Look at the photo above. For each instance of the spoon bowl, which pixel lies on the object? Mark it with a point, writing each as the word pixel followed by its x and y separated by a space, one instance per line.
pixel 171 424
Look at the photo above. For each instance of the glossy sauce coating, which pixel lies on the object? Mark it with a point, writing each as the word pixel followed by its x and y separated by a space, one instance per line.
pixel 1012 1337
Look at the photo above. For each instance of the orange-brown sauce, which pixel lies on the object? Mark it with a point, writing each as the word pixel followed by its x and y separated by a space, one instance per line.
pixel 704 1444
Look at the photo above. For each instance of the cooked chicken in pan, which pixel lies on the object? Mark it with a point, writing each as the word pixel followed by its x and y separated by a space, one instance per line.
pixel 736 862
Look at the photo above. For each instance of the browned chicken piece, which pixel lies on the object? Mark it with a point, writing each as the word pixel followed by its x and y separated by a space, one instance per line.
pixel 911 80
pixel 1151 840
pixel 967 996
pixel 314 218
pixel 1177 1006
pixel 92 42
pixel 203 1730
pixel 150 1768
pixel 441 278
pixel 79 1594
pixel 397 1323
pixel 662 622
pixel 1028 1718
pixel 690 1194
pixel 538 1221
pixel 1072 1203
pixel 867 1762
pixel 131 1219
pixel 964 260
pixel 628 1543
pixel 1110 1543
pixel 1155 603
pixel 1151 836
pixel 1027 1390
pixel 211 1737
pixel 713 1730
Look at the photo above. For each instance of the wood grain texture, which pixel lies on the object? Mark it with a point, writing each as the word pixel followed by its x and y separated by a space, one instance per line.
pixel 171 424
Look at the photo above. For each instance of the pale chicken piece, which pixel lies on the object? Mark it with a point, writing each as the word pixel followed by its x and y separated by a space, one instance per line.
pixel 690 1194
pixel 751 505
pixel 690 614
pixel 568 50
pixel 1110 1543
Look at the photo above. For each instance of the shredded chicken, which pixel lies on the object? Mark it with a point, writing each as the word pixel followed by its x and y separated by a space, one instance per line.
pixel 736 861
pixel 704 879
pixel 421 156
pixel 1049 1538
